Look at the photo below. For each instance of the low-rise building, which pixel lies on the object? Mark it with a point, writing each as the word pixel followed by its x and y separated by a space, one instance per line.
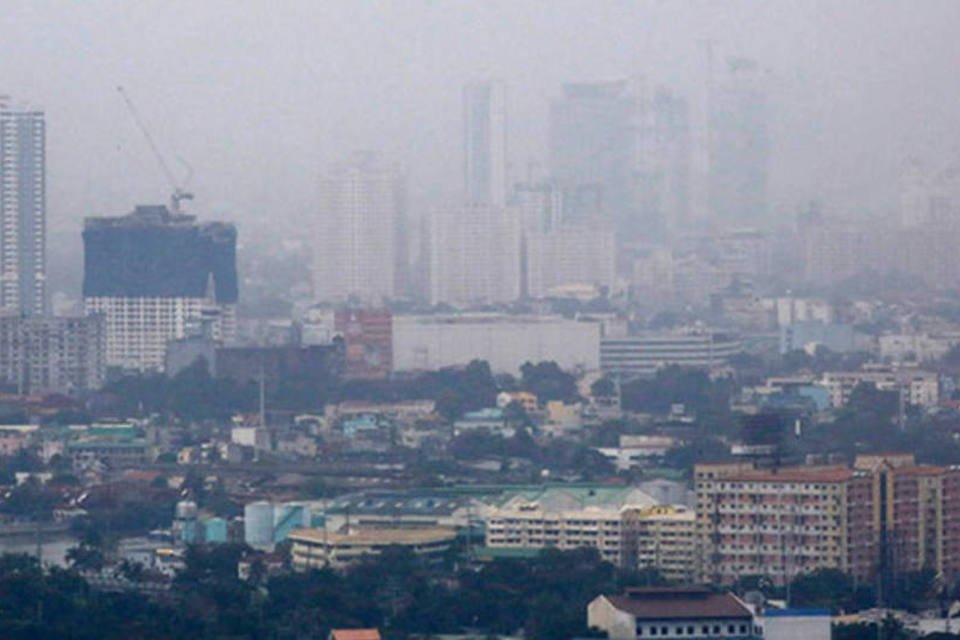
pixel 795 624
pixel 808 335
pixel 668 613
pixel 920 388
pixel 635 450
pixel 114 453
pixel 643 355
pixel 565 518
pixel 492 419
pixel 526 400
pixel 916 347
pixel 316 548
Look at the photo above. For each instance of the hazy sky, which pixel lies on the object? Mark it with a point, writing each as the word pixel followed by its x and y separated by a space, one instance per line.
pixel 258 95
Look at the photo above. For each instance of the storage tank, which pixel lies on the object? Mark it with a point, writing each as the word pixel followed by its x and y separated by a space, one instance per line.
pixel 258 524
pixel 287 517
pixel 185 522
pixel 214 530
pixel 186 510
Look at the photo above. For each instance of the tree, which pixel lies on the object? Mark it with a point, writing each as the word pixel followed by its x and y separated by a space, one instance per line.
pixel 548 381
pixel 604 388
pixel 890 629
pixel 829 589
pixel 85 557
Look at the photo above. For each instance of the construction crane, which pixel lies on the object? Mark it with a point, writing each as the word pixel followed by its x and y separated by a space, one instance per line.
pixel 179 193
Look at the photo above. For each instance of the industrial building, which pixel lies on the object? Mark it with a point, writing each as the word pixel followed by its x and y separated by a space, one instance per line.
pixel 506 342
pixel 317 548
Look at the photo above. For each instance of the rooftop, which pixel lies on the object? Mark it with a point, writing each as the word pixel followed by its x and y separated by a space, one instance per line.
pixel 398 503
pixel 354 634
pixel 573 498
pixel 374 537
pixel 684 603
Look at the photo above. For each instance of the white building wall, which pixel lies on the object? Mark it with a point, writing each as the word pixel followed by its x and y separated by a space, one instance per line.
pixel 423 343
pixel 358 246
pixel 138 329
pixel 795 627
pixel 474 255
pixel 618 624
pixel 568 256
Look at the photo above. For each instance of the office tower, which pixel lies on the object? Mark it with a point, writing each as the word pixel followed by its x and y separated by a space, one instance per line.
pixel 153 274
pixel 360 250
pixel 666 162
pixel 485 143
pixel 475 255
pixel 43 354
pixel 738 146
pixel 23 201
pixel 593 145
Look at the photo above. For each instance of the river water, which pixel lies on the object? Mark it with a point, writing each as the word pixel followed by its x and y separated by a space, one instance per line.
pixel 53 549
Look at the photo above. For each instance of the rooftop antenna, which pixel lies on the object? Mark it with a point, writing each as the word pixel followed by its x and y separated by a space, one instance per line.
pixel 179 193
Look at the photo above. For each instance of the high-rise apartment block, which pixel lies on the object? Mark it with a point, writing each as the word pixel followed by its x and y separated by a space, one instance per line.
pixel 886 515
pixel 154 275
pixel 576 255
pixel 738 145
pixel 360 248
pixel 43 354
pixel 23 212
pixel 592 144
pixel 485 143
pixel 475 255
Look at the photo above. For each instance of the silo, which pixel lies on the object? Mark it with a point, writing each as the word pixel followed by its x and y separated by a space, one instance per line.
pixel 258 524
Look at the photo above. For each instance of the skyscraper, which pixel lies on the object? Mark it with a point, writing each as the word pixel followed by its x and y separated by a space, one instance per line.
pixel 485 143
pixel 152 274
pixel 23 212
pixel 664 165
pixel 475 255
pixel 738 145
pixel 592 145
pixel 360 250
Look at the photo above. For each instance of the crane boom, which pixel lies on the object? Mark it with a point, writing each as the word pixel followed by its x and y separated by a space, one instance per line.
pixel 178 193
